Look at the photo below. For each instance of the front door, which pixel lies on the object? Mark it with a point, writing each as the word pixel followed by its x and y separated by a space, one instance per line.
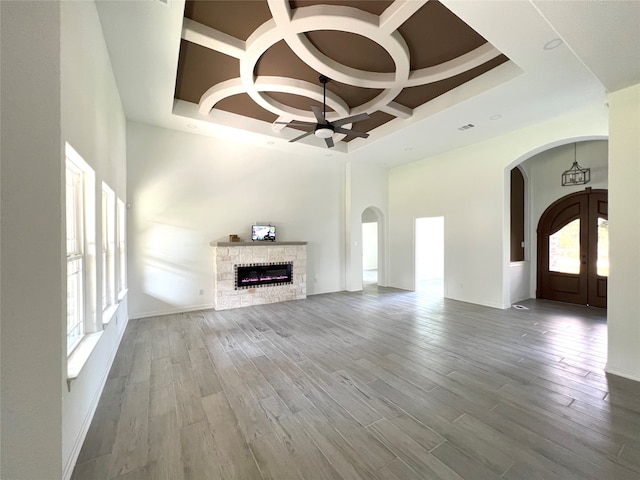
pixel 573 249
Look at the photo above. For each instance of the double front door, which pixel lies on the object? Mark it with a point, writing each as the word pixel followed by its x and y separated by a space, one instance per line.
pixel 573 249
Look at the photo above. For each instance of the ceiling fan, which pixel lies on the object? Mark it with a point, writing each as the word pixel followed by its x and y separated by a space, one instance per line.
pixel 324 128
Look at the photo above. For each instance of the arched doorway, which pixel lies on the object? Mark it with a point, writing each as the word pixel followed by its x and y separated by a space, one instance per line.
pixel 372 246
pixel 573 249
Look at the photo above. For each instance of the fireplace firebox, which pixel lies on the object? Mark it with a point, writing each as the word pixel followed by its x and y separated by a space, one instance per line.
pixel 252 275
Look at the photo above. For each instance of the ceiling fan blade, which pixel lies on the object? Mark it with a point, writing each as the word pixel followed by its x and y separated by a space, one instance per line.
pixel 297 123
pixel 301 136
pixel 351 132
pixel 351 119
pixel 318 113
pixel 329 142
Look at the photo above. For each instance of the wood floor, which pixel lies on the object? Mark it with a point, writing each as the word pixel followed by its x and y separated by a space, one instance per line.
pixel 381 384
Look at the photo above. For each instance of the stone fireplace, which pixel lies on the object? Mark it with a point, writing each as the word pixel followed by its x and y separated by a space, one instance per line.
pixel 255 273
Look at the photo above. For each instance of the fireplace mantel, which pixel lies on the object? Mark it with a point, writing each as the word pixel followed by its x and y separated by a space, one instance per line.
pixel 227 255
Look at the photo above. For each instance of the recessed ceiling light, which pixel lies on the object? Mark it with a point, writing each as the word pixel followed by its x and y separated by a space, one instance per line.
pixel 191 125
pixel 495 117
pixel 551 44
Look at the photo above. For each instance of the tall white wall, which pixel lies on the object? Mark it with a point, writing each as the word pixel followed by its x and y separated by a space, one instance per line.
pixel 187 190
pixel 624 233
pixel 93 123
pixel 543 186
pixel 31 275
pixel 57 87
pixel 470 188
pixel 366 187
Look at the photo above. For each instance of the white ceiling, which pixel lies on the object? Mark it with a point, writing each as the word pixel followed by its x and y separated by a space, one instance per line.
pixel 600 52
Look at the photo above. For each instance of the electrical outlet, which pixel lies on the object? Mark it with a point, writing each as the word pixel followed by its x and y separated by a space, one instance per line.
pixel 202 291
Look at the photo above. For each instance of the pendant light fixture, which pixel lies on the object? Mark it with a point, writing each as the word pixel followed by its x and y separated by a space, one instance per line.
pixel 576 175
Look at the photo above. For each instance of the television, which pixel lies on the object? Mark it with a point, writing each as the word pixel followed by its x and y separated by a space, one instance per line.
pixel 263 233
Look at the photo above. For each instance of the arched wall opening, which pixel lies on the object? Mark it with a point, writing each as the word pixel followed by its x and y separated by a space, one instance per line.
pixel 542 169
pixel 373 245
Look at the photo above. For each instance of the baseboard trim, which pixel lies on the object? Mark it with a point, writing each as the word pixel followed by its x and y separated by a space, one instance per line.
pixel 170 311
pixel 618 373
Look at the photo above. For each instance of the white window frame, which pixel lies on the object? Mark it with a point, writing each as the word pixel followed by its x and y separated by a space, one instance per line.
pixel 108 250
pixel 74 192
pixel 80 218
pixel 121 215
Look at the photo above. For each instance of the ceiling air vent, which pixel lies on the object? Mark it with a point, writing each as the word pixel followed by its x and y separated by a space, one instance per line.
pixel 466 127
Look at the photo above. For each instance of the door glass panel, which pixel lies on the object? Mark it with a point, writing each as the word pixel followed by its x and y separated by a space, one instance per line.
pixel 564 249
pixel 603 247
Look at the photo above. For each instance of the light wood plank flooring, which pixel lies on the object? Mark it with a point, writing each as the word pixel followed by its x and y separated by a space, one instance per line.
pixel 381 384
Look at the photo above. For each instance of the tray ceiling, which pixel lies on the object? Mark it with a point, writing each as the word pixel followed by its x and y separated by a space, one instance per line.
pixel 243 62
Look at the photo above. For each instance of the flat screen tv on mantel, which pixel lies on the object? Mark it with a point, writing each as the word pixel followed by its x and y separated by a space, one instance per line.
pixel 263 233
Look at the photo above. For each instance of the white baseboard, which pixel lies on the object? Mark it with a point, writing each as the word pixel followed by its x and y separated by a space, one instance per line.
pixel 618 373
pixel 170 311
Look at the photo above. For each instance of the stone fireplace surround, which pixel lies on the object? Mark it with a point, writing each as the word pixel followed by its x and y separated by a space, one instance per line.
pixel 228 254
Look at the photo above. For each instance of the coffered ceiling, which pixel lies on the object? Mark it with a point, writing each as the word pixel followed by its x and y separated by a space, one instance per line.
pixel 261 59
pixel 433 75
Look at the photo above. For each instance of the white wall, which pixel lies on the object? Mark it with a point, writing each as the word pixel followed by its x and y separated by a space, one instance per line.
pixel 624 233
pixel 470 188
pixel 519 281
pixel 31 272
pixel 93 123
pixel 543 173
pixel 366 188
pixel 43 424
pixel 187 190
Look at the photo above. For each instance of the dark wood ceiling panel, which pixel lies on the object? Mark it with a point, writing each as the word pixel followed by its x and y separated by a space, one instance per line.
pixel 199 68
pixel 352 50
pixel 296 101
pixel 243 103
pixel 354 96
pixel 415 96
pixel 376 7
pixel 238 18
pixel 434 35
pixel 279 60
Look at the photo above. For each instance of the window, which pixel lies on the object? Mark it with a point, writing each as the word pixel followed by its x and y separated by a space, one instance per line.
pixel 122 249
pixel 75 255
pixel 564 249
pixel 602 265
pixel 517 215
pixel 80 226
pixel 108 247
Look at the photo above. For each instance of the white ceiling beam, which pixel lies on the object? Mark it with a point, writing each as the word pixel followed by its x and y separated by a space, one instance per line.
pixel 211 38
pixel 397 110
pixel 397 13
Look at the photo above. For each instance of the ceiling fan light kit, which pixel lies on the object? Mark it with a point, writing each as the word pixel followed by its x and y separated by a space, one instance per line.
pixel 325 129
pixel 324 132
